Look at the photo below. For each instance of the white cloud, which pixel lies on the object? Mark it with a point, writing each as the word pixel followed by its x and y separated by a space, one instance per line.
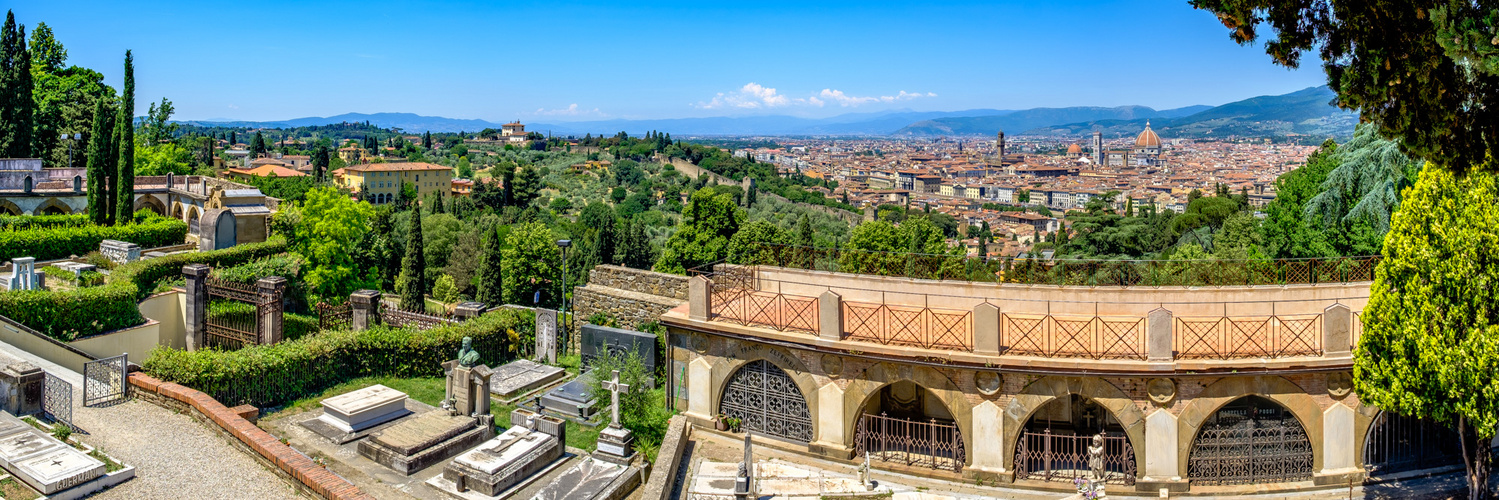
pixel 570 110
pixel 755 96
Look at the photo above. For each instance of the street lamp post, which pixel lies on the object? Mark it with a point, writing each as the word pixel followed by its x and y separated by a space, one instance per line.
pixel 74 139
pixel 564 244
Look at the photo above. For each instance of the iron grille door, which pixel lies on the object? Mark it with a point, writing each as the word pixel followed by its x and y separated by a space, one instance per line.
pixel 57 399
pixel 1399 443
pixel 104 381
pixel 767 401
pixel 1251 451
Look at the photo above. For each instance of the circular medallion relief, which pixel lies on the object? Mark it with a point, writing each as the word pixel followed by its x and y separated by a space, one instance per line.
pixel 832 365
pixel 1161 390
pixel 1339 384
pixel 987 382
pixel 700 343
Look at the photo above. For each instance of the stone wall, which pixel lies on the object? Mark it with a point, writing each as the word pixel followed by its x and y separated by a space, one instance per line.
pixel 635 280
pixel 668 460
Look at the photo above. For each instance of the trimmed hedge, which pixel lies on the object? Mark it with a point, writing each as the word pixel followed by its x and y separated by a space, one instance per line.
pixel 67 315
pixel 46 243
pixel 25 222
pixel 268 375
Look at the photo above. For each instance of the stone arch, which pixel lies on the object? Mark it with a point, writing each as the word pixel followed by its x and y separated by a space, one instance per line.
pixel 879 375
pixel 52 206
pixel 10 208
pixel 726 366
pixel 1228 389
pixel 177 211
pixel 149 202
pixel 1048 389
pixel 193 224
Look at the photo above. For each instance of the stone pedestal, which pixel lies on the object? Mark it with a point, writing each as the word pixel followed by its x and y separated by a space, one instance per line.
pixel 21 389
pixel 364 309
pixel 616 446
pixel 270 288
pixel 196 313
pixel 419 442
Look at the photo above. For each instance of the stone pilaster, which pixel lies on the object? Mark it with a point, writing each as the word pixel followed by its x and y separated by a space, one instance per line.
pixel 196 314
pixel 1161 436
pixel 1337 331
pixel 1339 447
pixel 830 424
pixel 1158 340
pixel 271 288
pixel 986 329
pixel 699 298
pixel 830 316
pixel 988 448
pixel 364 309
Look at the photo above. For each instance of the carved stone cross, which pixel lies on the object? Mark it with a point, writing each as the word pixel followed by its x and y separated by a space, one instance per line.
pixel 614 388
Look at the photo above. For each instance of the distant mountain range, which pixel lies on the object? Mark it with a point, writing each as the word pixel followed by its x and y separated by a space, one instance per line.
pixel 1305 112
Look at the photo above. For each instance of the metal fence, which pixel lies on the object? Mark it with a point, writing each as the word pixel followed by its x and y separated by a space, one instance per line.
pixel 399 318
pixel 1085 272
pixel 236 330
pixel 334 317
pixel 104 381
pixel 933 444
pixel 1075 337
pixel 1399 443
pixel 1262 337
pixel 1051 456
pixel 57 399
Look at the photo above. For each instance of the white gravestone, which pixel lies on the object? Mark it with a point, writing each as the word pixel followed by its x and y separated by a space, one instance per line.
pixel 23 275
pixel 364 408
pixel 546 335
pixel 614 444
pixel 59 469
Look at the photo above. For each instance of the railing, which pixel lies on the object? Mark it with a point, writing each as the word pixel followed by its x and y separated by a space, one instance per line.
pixel 933 444
pixel 333 317
pixel 1264 337
pixel 1064 457
pixel 908 326
pixel 1215 272
pixel 1053 336
pixel 735 300
pixel 398 318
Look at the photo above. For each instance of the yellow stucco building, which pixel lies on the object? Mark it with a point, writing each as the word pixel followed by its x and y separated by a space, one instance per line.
pixel 381 182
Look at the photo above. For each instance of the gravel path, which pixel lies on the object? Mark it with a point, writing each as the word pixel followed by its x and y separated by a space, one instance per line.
pixel 174 456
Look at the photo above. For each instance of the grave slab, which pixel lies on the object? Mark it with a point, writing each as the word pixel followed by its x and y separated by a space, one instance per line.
pixel 503 462
pixel 58 470
pixel 572 400
pixel 521 376
pixel 419 442
pixel 592 480
pixel 364 408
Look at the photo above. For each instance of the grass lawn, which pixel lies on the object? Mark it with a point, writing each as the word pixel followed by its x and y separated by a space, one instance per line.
pixel 430 390
pixel 11 489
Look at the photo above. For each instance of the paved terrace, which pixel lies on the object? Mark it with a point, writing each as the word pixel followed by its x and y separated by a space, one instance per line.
pixel 1043 327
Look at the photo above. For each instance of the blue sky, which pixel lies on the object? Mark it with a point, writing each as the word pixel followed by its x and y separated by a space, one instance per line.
pixel 588 60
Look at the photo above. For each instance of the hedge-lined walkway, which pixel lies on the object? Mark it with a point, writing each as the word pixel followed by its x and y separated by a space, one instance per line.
pixel 174 455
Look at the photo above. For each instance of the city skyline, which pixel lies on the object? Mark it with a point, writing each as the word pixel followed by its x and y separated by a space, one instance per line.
pixel 776 59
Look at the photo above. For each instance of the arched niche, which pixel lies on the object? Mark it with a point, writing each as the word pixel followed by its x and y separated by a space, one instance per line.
pixel 1046 390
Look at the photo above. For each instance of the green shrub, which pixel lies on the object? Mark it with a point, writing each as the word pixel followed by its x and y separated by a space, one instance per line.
pixel 113 305
pixel 287 266
pixel 25 222
pixel 46 243
pixel 267 375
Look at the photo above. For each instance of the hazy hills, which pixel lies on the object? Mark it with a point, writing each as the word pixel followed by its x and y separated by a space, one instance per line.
pixel 1304 112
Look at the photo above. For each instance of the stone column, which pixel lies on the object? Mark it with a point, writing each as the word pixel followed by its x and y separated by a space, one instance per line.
pixel 832 433
pixel 699 298
pixel 364 309
pixel 986 329
pixel 830 316
pixel 1337 331
pixel 1339 447
pixel 468 310
pixel 700 392
pixel 1158 340
pixel 988 447
pixel 197 303
pixel 271 290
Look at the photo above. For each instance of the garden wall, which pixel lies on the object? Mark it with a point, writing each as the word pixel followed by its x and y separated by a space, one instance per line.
pixel 631 296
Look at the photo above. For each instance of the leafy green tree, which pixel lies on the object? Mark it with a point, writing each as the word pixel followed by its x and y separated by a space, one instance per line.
pixel 17 107
pixel 124 193
pixel 751 245
pixel 465 169
pixel 439 233
pixel 413 280
pixel 46 52
pixel 804 235
pixel 65 100
pixel 634 247
pixel 1366 184
pixel 158 124
pixel 463 261
pixel 1239 238
pixel 708 222
pixel 531 264
pixel 1426 72
pixel 1430 345
pixel 444 291
pixel 162 159
pixel 100 161
pixel 527 186
pixel 1286 232
pixel 489 286
pixel 327 230
pixel 383 249
pixel 599 231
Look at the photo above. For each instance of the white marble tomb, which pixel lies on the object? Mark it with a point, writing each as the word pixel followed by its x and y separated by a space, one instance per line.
pixel 364 408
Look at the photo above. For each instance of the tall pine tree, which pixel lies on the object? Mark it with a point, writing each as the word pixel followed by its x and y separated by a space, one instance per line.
pixel 100 157
pixel 124 193
pixel 414 268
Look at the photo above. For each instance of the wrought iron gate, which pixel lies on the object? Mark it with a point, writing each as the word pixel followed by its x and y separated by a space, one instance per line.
pixel 334 317
pixel 233 330
pixel 767 401
pixel 1063 457
pixel 1259 444
pixel 104 381
pixel 57 399
pixel 935 444
pixel 1400 443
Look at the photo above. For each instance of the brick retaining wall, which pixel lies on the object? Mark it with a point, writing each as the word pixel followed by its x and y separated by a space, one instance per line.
pixel 290 462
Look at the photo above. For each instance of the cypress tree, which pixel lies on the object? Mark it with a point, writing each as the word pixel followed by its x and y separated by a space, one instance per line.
pixel 414 267
pixel 124 192
pixel 320 161
pixel 25 105
pixel 99 159
pixel 490 278
pixel 233 138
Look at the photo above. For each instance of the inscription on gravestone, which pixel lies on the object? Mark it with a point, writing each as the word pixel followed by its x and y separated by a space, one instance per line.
pixel 603 341
pixel 546 335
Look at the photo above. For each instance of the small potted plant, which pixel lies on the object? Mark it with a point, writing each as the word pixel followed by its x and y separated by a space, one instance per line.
pixel 721 422
pixel 734 424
